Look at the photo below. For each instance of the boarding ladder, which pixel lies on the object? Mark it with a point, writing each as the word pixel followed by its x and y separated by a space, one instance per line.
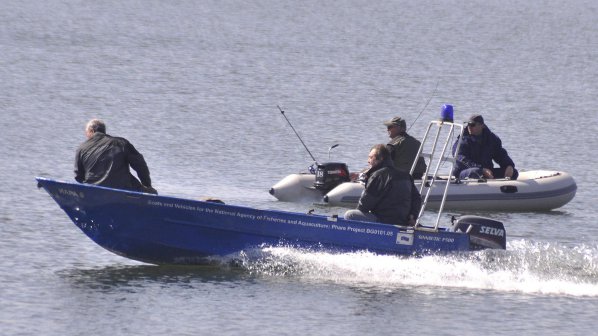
pixel 439 133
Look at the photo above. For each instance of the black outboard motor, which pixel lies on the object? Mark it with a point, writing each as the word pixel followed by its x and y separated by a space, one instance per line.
pixel 331 174
pixel 483 232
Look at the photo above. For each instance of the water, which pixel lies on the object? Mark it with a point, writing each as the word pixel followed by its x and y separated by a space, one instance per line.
pixel 194 85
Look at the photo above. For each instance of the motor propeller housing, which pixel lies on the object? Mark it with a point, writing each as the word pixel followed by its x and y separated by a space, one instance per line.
pixel 483 232
pixel 330 175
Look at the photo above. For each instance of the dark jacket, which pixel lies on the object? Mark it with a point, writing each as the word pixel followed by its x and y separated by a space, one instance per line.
pixel 104 160
pixel 390 195
pixel 403 150
pixel 480 151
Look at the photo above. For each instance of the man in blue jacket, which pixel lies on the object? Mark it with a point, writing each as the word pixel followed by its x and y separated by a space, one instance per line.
pixel 479 148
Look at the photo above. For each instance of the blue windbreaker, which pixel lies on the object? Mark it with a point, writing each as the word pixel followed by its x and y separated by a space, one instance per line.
pixel 480 151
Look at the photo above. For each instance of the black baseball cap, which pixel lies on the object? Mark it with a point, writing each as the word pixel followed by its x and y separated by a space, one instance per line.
pixel 476 118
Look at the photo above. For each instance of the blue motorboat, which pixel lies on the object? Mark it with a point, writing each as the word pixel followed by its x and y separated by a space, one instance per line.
pixel 161 229
pixel 168 230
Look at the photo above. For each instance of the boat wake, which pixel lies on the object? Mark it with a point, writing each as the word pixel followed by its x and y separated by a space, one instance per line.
pixel 525 267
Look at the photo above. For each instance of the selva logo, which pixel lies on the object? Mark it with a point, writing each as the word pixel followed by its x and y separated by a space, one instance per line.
pixel 492 231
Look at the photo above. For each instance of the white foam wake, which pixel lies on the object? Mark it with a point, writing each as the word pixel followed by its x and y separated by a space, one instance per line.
pixel 524 267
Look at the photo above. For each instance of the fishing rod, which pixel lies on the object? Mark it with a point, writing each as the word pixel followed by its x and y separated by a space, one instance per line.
pixel 297 134
pixel 428 102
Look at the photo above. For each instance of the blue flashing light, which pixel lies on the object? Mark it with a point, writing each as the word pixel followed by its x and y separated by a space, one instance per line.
pixel 446 113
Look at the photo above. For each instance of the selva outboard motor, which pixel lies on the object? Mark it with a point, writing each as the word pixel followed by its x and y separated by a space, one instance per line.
pixel 483 232
pixel 331 174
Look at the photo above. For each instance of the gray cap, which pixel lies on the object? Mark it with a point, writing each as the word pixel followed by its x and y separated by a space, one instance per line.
pixel 396 121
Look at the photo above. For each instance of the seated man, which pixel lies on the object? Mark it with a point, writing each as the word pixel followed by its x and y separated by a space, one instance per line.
pixel 104 160
pixel 403 148
pixel 389 196
pixel 479 148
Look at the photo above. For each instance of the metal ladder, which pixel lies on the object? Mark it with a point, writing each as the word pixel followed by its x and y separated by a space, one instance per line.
pixel 450 129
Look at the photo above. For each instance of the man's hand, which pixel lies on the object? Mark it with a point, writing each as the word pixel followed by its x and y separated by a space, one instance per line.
pixel 150 190
pixel 411 220
pixel 509 172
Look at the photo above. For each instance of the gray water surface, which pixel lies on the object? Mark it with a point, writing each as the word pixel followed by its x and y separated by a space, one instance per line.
pixel 195 85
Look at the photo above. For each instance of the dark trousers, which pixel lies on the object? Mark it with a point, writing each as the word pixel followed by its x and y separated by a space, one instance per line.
pixel 477 173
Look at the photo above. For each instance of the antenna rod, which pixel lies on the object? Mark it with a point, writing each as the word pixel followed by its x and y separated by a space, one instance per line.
pixel 297 134
pixel 428 102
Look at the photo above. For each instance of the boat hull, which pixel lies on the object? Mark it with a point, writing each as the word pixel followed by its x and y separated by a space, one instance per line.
pixel 534 191
pixel 168 230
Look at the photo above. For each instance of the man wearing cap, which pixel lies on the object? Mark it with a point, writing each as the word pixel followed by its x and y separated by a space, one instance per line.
pixel 403 148
pixel 479 149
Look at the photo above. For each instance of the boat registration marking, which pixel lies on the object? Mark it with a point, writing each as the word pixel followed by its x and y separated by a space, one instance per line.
pixel 72 193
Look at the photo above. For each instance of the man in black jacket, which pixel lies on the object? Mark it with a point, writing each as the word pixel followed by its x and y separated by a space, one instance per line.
pixel 403 148
pixel 104 160
pixel 389 196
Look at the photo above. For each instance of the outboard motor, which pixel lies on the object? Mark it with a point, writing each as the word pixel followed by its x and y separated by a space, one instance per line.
pixel 483 232
pixel 330 175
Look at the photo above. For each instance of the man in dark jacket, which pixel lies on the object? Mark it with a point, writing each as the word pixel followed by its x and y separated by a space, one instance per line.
pixel 104 160
pixel 479 148
pixel 389 196
pixel 403 148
